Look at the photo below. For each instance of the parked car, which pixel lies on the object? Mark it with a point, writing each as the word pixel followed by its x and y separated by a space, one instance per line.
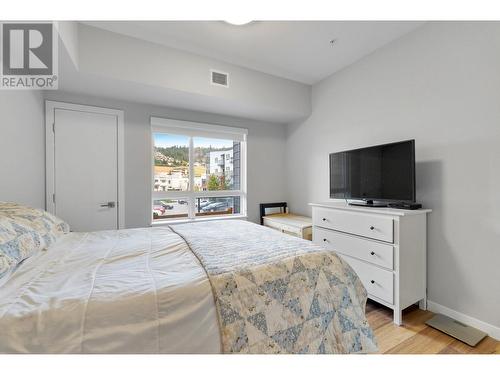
pixel 158 210
pixel 205 204
pixel 217 206
pixel 166 206
pixel 181 201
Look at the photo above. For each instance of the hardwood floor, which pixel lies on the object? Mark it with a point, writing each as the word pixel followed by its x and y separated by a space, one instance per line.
pixel 415 337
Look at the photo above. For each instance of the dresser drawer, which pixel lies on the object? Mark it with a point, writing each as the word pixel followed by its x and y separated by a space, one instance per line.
pixel 377 281
pixel 366 225
pixel 374 252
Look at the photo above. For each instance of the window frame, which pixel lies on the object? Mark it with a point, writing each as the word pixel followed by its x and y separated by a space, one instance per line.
pixel 192 130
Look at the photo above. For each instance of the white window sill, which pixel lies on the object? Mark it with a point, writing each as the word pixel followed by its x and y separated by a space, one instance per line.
pixel 183 221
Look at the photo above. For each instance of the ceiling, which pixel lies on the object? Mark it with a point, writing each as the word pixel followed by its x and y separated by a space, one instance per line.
pixel 296 50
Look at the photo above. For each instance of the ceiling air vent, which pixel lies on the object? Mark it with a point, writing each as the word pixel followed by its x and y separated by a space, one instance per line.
pixel 219 78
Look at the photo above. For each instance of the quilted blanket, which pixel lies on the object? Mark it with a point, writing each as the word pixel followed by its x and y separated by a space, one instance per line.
pixel 279 294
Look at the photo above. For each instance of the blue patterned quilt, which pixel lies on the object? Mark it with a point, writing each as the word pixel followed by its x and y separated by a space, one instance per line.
pixel 279 294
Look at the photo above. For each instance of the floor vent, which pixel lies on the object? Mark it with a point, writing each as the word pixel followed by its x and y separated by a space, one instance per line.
pixel 219 78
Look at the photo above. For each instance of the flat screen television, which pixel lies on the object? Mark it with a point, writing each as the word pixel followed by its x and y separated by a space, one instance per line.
pixel 383 173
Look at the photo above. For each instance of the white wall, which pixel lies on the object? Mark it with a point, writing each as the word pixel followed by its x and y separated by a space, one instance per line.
pixel 441 86
pixel 68 36
pixel 22 148
pixel 266 154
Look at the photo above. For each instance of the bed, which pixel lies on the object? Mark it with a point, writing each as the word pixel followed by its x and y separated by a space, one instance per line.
pixel 213 287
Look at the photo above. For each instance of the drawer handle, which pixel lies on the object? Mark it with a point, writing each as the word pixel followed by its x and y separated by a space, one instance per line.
pixel 372 253
pixel 372 281
pixel 324 219
pixel 372 227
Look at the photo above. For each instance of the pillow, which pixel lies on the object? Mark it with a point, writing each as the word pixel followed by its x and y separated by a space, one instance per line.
pixel 24 231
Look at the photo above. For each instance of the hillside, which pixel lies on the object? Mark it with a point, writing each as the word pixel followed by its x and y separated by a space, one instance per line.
pixel 177 156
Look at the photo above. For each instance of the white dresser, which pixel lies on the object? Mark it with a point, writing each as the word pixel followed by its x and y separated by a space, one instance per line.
pixel 386 247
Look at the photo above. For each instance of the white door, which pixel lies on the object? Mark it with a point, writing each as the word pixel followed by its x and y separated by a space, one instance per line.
pixel 85 172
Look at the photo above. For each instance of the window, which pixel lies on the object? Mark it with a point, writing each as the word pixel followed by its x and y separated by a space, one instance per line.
pixel 199 170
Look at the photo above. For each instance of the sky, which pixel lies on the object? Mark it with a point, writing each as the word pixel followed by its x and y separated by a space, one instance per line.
pixel 168 140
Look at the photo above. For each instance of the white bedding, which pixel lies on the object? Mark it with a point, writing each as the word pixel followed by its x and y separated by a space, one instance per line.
pixel 129 291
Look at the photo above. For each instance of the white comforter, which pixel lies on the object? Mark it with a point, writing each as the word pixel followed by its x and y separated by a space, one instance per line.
pixel 129 291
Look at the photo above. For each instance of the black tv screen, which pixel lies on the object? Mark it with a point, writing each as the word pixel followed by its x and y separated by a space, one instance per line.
pixel 378 173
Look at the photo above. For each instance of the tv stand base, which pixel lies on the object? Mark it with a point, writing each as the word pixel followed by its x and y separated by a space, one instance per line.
pixel 368 203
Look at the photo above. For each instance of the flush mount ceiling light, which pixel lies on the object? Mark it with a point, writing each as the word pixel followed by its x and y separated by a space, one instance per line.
pixel 238 21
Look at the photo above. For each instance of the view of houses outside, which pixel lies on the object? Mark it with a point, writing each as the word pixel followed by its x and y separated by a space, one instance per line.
pixel 216 167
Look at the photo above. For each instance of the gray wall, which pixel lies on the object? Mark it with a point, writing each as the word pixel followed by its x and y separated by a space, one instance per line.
pixel 441 86
pixel 265 155
pixel 22 148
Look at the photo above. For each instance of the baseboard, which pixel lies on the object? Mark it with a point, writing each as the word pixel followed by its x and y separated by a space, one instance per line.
pixel 490 329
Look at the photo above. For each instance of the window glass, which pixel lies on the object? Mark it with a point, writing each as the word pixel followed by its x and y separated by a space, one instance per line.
pixel 170 208
pixel 171 162
pixel 210 206
pixel 218 163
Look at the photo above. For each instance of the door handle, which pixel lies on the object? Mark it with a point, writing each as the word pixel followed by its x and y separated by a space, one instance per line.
pixel 108 204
